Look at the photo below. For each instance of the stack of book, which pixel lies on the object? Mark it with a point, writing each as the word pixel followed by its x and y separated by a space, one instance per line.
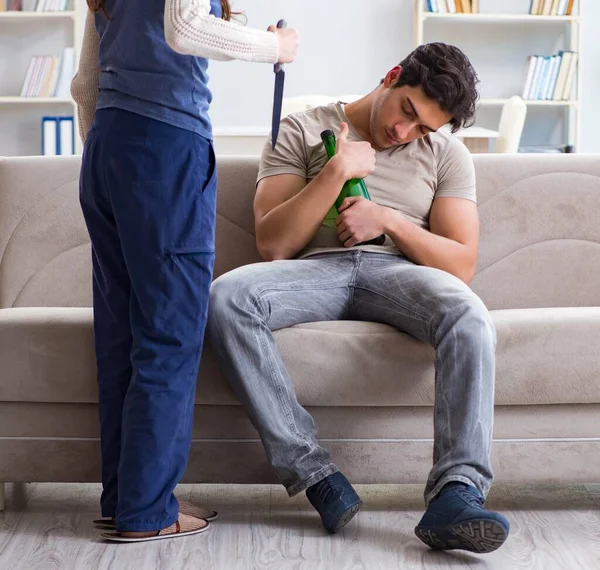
pixel 550 78
pixel 58 136
pixel 453 6
pixel 34 5
pixel 49 76
pixel 551 7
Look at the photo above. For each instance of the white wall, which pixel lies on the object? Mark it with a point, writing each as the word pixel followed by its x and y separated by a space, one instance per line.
pixel 348 45
pixel 590 128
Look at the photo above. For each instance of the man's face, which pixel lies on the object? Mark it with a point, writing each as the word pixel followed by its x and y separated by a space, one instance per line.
pixel 403 114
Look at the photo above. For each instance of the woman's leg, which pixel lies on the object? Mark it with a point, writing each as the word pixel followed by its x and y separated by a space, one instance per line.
pixel 112 327
pixel 162 187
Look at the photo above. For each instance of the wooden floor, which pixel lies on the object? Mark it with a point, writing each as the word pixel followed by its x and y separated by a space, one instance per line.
pixel 48 527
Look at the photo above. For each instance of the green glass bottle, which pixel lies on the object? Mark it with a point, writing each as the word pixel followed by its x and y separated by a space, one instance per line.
pixel 352 187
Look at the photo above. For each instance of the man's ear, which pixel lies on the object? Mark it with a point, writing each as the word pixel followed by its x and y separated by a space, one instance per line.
pixel 392 76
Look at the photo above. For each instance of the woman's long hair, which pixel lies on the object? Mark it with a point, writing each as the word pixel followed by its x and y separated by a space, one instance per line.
pixel 99 6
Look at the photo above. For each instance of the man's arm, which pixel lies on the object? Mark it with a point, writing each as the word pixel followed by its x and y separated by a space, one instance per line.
pixel 288 212
pixel 452 243
pixel 453 239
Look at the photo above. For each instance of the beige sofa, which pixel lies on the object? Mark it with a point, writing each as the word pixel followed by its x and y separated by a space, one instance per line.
pixel 369 387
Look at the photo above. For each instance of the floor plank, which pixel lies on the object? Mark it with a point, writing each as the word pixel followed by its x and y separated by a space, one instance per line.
pixel 48 527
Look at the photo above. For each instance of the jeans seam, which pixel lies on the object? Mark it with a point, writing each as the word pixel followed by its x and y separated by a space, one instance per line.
pixel 411 312
pixel 284 405
pixel 307 482
pixel 435 491
pixel 352 283
pixel 255 301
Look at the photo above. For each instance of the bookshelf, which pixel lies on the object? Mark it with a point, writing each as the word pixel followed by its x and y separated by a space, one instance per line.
pixel 35 100
pixel 16 16
pixel 513 18
pixel 544 27
pixel 23 35
pixel 532 102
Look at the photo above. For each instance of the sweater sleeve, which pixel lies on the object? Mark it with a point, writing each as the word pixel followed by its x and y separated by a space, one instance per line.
pixel 190 29
pixel 84 87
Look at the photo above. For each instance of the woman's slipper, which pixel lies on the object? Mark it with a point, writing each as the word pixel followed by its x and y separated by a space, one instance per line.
pixel 184 507
pixel 188 508
pixel 185 526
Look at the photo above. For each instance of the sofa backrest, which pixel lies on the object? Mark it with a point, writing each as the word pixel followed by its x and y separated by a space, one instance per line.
pixel 44 246
pixel 540 234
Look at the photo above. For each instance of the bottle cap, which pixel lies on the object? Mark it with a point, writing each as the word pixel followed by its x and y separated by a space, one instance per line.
pixel 326 134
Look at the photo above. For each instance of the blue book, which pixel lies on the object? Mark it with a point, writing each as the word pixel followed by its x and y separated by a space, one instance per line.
pixel 50 136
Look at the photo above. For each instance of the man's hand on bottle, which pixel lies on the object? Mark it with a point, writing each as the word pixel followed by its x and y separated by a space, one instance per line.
pixel 355 159
pixel 360 220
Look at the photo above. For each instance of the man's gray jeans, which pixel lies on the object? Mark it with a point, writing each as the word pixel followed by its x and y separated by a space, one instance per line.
pixel 250 302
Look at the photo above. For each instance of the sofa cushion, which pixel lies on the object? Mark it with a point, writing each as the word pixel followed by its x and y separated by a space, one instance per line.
pixel 544 356
pixel 539 242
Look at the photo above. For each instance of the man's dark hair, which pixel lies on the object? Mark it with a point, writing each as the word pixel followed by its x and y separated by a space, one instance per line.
pixel 446 75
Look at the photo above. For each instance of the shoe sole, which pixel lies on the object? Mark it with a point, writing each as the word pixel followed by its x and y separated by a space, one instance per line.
pixel 346 517
pixel 105 524
pixel 481 536
pixel 116 537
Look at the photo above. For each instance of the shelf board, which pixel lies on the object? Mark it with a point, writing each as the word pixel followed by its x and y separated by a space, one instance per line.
pixel 18 15
pixel 34 100
pixel 529 102
pixel 525 18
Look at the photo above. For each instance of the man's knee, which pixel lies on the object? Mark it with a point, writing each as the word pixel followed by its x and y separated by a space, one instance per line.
pixel 226 292
pixel 234 293
pixel 476 320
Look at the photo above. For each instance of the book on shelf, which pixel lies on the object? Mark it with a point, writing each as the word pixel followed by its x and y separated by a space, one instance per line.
pixel 550 78
pixel 551 7
pixel 10 5
pixel 34 5
pixel 452 6
pixel 546 149
pixel 49 76
pixel 58 136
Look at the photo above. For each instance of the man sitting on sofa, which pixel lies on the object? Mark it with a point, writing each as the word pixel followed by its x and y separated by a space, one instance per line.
pixel 422 184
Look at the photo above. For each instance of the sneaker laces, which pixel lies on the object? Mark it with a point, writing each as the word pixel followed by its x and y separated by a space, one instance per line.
pixel 324 490
pixel 472 499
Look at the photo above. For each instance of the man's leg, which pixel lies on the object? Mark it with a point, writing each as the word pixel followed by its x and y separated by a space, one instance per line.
pixel 439 309
pixel 246 305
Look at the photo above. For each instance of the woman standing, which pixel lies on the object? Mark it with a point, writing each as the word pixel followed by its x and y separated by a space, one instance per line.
pixel 147 191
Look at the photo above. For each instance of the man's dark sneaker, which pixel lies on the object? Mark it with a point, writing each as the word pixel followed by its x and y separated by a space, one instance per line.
pixel 456 519
pixel 335 500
